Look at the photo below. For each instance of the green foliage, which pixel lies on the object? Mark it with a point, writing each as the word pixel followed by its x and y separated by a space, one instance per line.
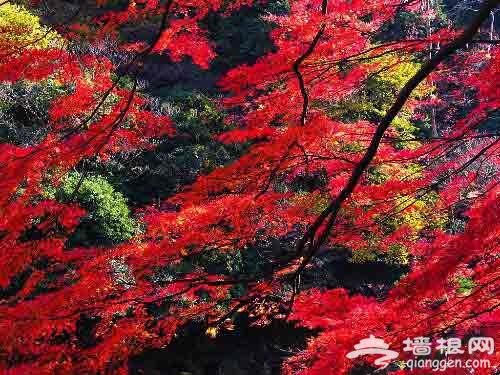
pixel 364 255
pixel 308 182
pixel 235 263
pixel 379 174
pixel 18 26
pixel 371 102
pixel 108 218
pixel 403 24
pixel 243 36
pixel 416 213
pixel 175 161
pixel 396 255
pixel 411 24
pixel 24 110
pixel 465 285
pixel 123 82
pixel 197 116
pixel 314 202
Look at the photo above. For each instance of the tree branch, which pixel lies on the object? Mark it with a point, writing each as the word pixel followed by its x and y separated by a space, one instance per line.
pixel 332 210
pixel 300 60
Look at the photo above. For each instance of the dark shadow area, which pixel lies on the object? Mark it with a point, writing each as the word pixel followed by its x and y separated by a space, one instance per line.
pixel 244 351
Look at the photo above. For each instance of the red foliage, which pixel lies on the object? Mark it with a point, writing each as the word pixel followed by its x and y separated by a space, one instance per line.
pixel 237 205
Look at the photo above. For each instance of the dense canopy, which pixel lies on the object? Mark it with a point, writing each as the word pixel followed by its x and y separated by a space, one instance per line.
pixel 345 137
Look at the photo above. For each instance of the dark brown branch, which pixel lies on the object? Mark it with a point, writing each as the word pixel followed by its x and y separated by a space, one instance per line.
pixel 300 60
pixel 332 210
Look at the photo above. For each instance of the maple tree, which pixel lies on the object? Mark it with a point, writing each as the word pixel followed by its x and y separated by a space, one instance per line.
pixel 335 158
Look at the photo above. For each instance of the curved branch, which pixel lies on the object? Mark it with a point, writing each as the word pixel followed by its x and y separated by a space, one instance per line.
pixel 332 210
pixel 301 59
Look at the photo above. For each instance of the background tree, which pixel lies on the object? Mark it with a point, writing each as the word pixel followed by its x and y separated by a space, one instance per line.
pixel 317 157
